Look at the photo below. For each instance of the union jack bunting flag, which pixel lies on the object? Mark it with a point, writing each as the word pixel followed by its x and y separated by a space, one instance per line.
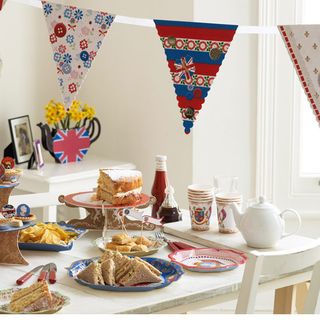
pixel 71 145
pixel 194 52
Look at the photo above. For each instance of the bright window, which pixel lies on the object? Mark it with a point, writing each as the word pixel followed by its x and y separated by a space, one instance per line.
pixel 310 129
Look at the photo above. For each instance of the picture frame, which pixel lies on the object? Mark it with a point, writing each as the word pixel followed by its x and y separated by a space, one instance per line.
pixel 38 153
pixel 21 136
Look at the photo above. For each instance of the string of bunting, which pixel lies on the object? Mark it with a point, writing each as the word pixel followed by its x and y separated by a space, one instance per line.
pixel 195 51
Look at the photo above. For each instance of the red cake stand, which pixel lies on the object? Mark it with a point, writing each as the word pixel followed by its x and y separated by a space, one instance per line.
pixel 103 215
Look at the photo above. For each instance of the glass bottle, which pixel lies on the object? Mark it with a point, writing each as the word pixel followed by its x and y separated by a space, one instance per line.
pixel 159 183
pixel 169 210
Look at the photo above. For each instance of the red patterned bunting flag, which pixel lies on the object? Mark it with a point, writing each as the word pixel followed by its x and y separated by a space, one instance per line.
pixel 302 42
pixel 194 52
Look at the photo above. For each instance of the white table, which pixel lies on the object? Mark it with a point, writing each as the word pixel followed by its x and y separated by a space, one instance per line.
pixel 192 291
pixel 290 245
pixel 57 179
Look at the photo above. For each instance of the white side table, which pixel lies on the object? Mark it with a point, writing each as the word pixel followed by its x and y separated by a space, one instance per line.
pixel 68 178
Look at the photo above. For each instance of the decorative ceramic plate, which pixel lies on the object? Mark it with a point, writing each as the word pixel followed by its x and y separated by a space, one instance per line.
pixel 54 247
pixel 151 250
pixel 208 259
pixel 59 302
pixel 170 272
pixel 10 228
pixel 85 200
pixel 7 184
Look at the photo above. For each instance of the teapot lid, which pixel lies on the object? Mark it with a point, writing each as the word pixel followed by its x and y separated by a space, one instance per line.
pixel 263 204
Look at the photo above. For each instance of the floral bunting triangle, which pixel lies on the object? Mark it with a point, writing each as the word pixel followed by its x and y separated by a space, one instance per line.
pixel 302 42
pixel 194 52
pixel 76 36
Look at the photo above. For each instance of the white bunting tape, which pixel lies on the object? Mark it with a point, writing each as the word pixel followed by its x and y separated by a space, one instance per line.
pixel 149 22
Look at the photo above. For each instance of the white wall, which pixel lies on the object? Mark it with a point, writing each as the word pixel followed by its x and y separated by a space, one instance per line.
pixel 224 136
pixel 129 84
pixel 27 78
pixel 131 88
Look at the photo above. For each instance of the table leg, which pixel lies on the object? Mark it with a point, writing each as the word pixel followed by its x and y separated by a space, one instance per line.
pixel 302 290
pixel 50 214
pixel 284 300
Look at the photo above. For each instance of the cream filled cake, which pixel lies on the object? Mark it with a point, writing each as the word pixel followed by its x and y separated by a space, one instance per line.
pixel 34 298
pixel 119 187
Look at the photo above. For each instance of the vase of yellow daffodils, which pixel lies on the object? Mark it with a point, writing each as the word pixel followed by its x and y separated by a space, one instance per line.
pixel 68 133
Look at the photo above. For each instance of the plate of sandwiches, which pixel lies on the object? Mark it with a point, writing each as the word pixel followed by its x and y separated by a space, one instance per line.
pixel 116 188
pixel 36 299
pixel 116 272
pixel 137 246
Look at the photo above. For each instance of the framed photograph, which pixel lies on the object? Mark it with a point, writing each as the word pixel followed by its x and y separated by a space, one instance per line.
pixel 21 137
pixel 38 153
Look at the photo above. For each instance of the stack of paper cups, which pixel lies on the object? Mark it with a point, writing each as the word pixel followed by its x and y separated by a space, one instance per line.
pixel 226 219
pixel 201 199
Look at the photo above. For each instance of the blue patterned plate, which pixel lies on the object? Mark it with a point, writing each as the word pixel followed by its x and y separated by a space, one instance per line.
pixel 170 272
pixel 7 227
pixel 54 247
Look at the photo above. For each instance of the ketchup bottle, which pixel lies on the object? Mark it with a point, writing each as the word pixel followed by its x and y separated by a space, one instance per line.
pixel 159 184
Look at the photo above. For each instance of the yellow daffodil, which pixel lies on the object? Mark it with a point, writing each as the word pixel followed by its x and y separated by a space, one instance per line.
pixel 56 113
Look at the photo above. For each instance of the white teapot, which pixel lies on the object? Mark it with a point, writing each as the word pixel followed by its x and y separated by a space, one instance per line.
pixel 262 224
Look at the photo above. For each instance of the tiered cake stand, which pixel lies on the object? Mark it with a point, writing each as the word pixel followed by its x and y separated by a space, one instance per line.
pixel 103 215
pixel 9 248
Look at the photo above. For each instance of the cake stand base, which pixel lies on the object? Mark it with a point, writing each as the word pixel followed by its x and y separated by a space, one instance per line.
pixel 96 220
pixel 9 249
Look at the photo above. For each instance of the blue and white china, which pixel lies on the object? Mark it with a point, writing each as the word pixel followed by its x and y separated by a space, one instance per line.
pixel 170 272
pixel 54 247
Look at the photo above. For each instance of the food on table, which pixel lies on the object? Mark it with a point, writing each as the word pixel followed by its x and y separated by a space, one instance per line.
pixel 121 238
pixel 113 268
pixel 119 187
pixel 108 270
pixel 31 217
pixel 4 223
pixel 143 240
pixel 16 223
pixel 92 274
pixel 120 248
pixel 11 175
pixel 7 173
pixel 49 233
pixel 7 162
pixel 122 242
pixel 34 298
pixel 8 211
pixel 139 247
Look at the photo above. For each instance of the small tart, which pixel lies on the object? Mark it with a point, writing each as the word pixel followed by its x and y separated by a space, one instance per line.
pixel 4 223
pixel 25 219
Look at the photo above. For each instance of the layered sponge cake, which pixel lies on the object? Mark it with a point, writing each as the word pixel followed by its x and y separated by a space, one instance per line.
pixel 119 187
pixel 34 298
